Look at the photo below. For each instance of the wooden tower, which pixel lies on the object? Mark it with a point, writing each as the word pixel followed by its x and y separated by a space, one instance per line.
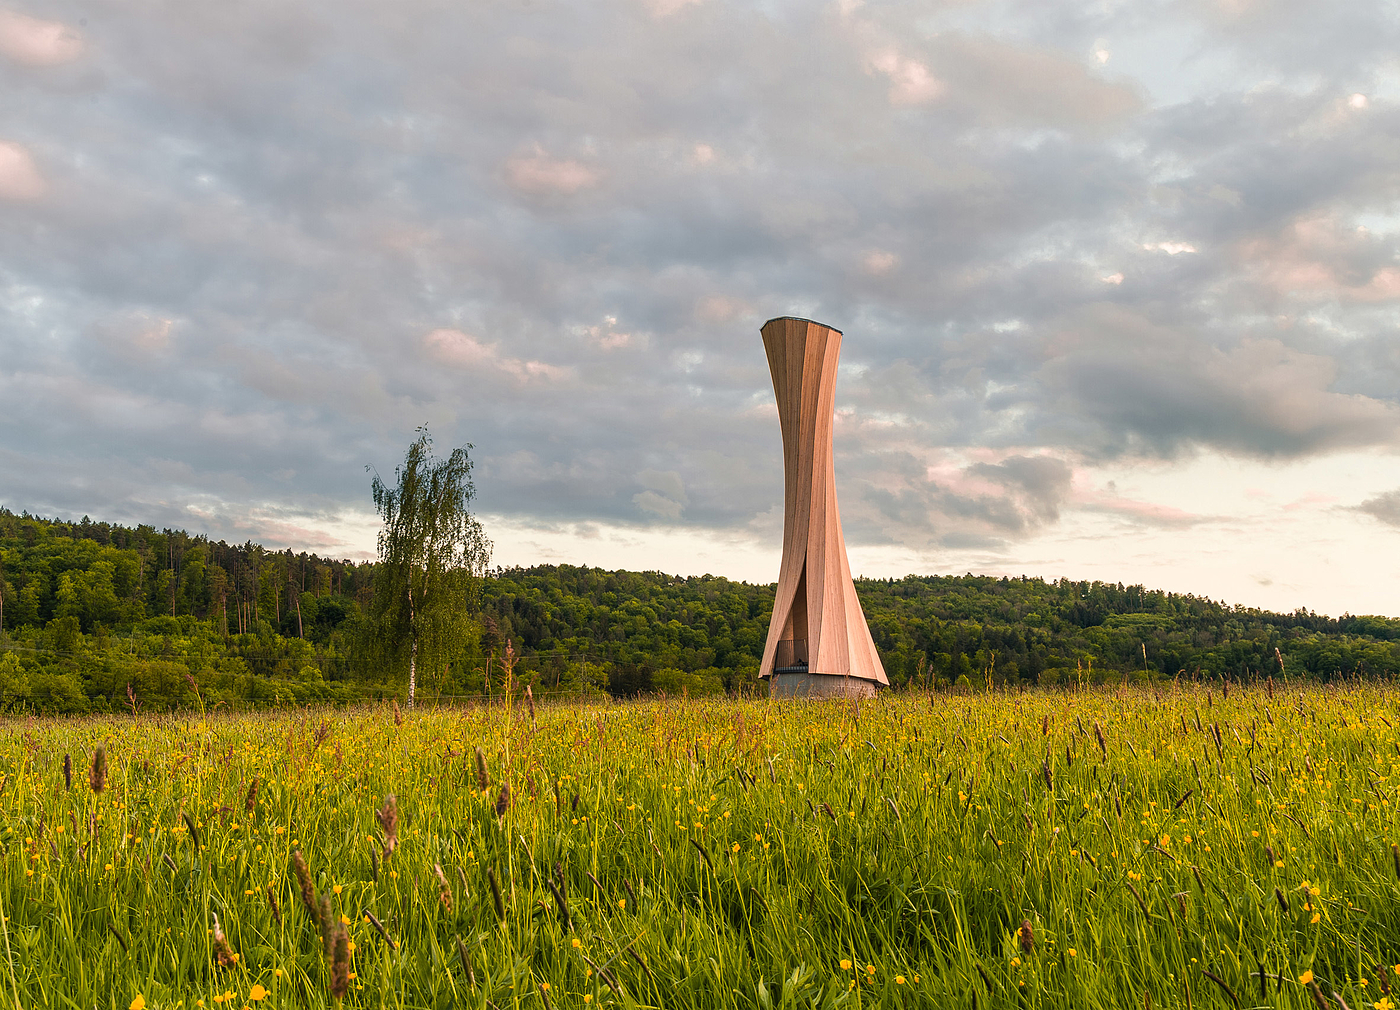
pixel 818 643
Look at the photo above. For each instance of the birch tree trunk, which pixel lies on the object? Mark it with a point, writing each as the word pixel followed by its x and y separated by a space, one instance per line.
pixel 412 650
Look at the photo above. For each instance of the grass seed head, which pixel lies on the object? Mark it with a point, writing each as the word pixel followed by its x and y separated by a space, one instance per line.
pixel 379 928
pixel 496 895
pixel 329 922
pixel 503 800
pixel 308 890
pixel 444 889
pixel 67 772
pixel 482 779
pixel 564 918
pixel 388 818
pixel 1026 936
pixel 340 961
pixel 466 962
pixel 251 800
pixel 97 775
pixel 191 827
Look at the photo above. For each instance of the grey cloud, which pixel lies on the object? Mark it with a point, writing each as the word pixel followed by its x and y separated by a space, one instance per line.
pixel 658 504
pixel 1007 85
pixel 664 495
pixel 593 208
pixel 1384 508
pixel 1133 386
pixel 666 482
pixel 896 489
pixel 1039 484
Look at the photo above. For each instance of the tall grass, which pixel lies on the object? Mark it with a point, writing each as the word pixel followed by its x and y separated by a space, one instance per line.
pixel 1105 849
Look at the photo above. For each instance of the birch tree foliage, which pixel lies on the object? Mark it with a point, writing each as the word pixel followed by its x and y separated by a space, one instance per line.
pixel 432 555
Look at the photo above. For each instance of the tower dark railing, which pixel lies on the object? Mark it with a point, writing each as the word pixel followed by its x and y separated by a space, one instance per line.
pixel 791 656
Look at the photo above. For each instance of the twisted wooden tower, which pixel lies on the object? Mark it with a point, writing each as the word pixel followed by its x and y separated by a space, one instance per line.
pixel 818 643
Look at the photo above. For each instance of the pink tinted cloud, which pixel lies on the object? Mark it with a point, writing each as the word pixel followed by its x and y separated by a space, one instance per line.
pixel 35 43
pixel 1146 513
pixel 20 178
pixel 539 174
pixel 462 350
pixel 1313 257
pixel 1312 498
pixel 911 82
pixel 607 336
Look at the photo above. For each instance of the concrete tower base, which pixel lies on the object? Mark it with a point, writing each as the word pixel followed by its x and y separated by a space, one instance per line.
pixel 819 685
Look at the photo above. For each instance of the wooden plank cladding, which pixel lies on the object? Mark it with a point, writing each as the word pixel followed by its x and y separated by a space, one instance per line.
pixel 816 602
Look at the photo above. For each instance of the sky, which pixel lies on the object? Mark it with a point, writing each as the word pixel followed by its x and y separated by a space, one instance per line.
pixel 1118 280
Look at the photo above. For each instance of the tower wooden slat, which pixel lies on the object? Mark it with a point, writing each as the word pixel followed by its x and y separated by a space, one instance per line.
pixel 816 601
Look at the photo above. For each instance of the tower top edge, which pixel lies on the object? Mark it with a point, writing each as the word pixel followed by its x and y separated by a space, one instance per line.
pixel 800 319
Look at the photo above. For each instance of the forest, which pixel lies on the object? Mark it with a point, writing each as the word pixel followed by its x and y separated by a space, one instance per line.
pixel 96 617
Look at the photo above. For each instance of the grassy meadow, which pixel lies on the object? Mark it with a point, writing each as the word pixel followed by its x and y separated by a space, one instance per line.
pixel 1130 848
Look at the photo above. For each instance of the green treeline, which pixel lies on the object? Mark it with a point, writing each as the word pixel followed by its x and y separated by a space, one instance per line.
pixel 933 630
pixel 89 608
pixel 98 617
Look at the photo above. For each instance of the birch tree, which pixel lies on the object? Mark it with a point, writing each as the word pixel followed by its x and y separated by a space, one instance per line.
pixel 432 554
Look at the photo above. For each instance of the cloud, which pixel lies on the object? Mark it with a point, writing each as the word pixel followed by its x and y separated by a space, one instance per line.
pixel 1020 84
pixel 1141 513
pixel 667 8
pixel 32 42
pixel 1037 484
pixel 1132 386
pixel 658 505
pixel 911 83
pixel 461 350
pixel 538 174
pixel 133 335
pixel 879 261
pixel 607 337
pixel 288 234
pixel 667 482
pixel 1384 508
pixel 992 81
pixel 19 176
pixel 1320 258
